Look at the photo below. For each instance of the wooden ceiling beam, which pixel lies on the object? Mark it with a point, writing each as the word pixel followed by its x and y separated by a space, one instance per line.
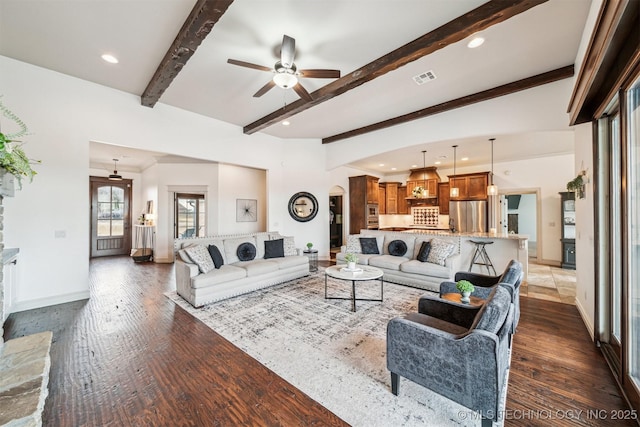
pixel 195 29
pixel 485 16
pixel 507 89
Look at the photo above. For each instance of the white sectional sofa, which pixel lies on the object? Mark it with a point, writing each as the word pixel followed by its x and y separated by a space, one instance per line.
pixel 235 277
pixel 406 269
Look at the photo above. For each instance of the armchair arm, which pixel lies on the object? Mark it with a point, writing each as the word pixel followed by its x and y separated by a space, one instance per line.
pixel 458 314
pixel 477 279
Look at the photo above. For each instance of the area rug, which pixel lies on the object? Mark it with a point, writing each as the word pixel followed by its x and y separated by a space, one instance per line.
pixel 334 355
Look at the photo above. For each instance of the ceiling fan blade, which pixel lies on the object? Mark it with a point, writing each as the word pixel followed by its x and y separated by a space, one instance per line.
pixel 249 65
pixel 287 51
pixel 264 89
pixel 320 74
pixel 302 92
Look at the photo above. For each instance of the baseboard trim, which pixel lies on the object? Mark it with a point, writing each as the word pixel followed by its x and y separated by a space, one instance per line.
pixel 550 262
pixel 163 260
pixel 45 302
pixel 585 318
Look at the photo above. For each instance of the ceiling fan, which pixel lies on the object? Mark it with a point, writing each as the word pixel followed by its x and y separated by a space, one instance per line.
pixel 286 73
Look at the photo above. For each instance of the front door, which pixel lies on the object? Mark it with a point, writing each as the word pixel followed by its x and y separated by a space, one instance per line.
pixel 110 217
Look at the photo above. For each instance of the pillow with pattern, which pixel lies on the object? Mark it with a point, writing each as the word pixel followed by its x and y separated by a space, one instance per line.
pixel 290 246
pixel 200 255
pixel 440 250
pixel 369 245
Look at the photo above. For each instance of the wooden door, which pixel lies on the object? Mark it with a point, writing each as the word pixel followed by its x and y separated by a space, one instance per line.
pixel 110 217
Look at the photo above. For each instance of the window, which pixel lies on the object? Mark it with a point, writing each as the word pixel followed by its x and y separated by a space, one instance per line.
pixel 190 215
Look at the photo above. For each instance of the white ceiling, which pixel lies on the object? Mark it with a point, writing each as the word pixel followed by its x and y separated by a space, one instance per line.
pixel 69 36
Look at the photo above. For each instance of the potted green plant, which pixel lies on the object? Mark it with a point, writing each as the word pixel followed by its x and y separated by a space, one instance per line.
pixel 309 246
pixel 577 185
pixel 351 260
pixel 465 287
pixel 13 159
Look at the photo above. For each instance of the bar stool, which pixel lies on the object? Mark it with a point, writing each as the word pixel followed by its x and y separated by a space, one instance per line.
pixel 480 257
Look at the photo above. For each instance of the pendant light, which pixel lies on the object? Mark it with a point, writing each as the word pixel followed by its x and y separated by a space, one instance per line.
pixel 424 178
pixel 114 176
pixel 454 191
pixel 492 190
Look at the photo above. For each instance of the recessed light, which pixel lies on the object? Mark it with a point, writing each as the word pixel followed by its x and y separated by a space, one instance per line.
pixel 438 162
pixel 475 42
pixel 110 58
pixel 394 169
pixel 381 164
pixel 286 123
pixel 414 166
pixel 464 159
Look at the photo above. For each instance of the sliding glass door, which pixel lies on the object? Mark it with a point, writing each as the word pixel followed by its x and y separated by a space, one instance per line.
pixel 632 301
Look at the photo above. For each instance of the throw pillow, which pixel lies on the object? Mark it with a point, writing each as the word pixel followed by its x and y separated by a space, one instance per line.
pixel 423 255
pixel 369 245
pixel 440 250
pixel 246 252
pixel 397 248
pixel 216 256
pixel 290 246
pixel 274 248
pixel 353 244
pixel 185 257
pixel 200 255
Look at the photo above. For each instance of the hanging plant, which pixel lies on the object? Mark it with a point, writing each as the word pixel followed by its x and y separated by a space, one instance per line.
pixel 577 185
pixel 12 157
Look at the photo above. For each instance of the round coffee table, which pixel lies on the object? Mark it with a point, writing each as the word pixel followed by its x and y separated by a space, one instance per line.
pixel 367 273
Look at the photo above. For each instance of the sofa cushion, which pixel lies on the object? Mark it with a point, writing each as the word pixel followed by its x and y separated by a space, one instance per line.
pixel 440 250
pixel 246 251
pixel 216 256
pixel 231 247
pixel 389 262
pixel 290 261
pixel 408 240
pixel 369 245
pixel 425 268
pixel 423 253
pixel 257 267
pixel 274 248
pixel 363 259
pixel 224 274
pixel 200 255
pixel 397 248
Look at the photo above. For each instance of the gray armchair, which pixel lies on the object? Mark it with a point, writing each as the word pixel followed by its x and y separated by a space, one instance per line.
pixel 510 279
pixel 458 351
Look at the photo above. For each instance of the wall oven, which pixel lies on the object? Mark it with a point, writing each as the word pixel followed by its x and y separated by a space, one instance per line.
pixel 372 217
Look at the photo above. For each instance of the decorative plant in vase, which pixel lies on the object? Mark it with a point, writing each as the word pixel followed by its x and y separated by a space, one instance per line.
pixel 465 287
pixel 351 260
pixel 577 185
pixel 309 246
pixel 12 157
pixel 418 191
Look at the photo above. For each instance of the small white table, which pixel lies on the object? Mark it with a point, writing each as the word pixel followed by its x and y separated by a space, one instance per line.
pixel 367 273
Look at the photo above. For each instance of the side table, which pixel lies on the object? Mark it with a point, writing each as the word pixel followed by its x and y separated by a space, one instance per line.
pixel 457 297
pixel 312 254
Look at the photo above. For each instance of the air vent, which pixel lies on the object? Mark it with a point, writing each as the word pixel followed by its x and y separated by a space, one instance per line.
pixel 425 77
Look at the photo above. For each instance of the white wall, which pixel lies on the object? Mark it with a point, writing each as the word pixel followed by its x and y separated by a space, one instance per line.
pixel 64 113
pixel 526 216
pixel 585 228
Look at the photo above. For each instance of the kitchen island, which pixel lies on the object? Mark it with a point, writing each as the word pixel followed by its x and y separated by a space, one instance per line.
pixel 504 248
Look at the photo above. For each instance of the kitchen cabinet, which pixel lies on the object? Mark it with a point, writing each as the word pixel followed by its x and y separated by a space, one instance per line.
pixel 431 185
pixel 403 206
pixel 568 231
pixel 388 198
pixel 364 193
pixel 443 198
pixel 471 186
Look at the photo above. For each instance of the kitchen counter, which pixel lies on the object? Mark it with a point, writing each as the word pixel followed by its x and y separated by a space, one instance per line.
pixel 441 232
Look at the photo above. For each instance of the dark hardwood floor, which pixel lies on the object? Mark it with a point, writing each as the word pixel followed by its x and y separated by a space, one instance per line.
pixel 130 356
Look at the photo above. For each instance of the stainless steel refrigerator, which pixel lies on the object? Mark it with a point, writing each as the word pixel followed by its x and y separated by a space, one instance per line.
pixel 468 216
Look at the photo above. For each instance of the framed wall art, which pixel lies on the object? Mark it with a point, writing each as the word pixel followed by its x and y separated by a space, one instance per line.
pixel 246 210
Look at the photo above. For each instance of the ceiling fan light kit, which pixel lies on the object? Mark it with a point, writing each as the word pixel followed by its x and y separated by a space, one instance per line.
pixel 286 72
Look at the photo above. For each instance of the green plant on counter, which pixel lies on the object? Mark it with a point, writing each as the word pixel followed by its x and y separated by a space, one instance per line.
pixel 465 286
